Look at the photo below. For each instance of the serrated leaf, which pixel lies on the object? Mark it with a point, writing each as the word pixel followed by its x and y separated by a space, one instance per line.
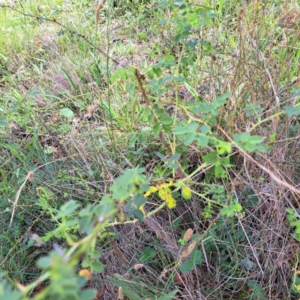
pixel 182 129
pixel 69 207
pixel 66 112
pixel 219 171
pixel 197 257
pixel 189 138
pixel 295 223
pixel 221 100
pixel 139 200
pixel 187 266
pixel 205 129
pixel 147 254
pixel 137 213
pixel 255 139
pixel 202 140
pixel 292 110
pixel 223 147
pixel 85 224
pixel 211 158
pixel 290 211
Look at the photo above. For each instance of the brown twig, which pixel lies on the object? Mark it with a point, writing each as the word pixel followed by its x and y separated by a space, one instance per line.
pixel 139 78
pixel 269 172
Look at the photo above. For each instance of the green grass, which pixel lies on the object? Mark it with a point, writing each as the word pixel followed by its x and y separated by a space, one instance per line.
pixel 69 119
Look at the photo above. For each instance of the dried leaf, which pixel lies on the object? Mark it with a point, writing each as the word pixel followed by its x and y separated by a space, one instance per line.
pixel 138 266
pixel 99 295
pixel 120 293
pixel 188 235
pixel 35 237
pixel 179 280
pixel 30 176
pixel 186 252
pixel 85 273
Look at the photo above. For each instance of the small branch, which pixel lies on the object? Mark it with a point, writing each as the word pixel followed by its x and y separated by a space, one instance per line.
pixel 139 78
pixel 39 18
pixel 269 172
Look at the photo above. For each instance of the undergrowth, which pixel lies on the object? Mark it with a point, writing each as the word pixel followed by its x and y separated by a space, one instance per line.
pixel 149 150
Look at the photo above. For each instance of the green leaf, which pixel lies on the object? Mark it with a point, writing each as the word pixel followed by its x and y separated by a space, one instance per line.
pixel 211 158
pixel 255 139
pixel 219 171
pixel 187 266
pixel 295 223
pixel 169 296
pixel 95 254
pixel 221 100
pixel 196 258
pixel 229 211
pixel 88 294
pixel 248 142
pixel 192 90
pixel 182 129
pixel 292 110
pixel 205 129
pixel 44 262
pixel 163 22
pixel 97 266
pixel 223 147
pixel 296 92
pixel 3 122
pixel 70 223
pixel 156 128
pixel 66 112
pixel 247 263
pixel 166 120
pixel 172 162
pixel 139 200
pixel 68 208
pixel 138 214
pixel 7 293
pixel 147 254
pixel 252 201
pixel 86 224
pixel 122 74
pixel 257 291
pixel 237 207
pixel 127 183
pixel 189 138
pixel 243 137
pixel 202 140
pixel 166 62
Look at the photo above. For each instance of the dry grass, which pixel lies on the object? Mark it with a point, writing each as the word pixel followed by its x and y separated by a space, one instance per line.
pixel 256 58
